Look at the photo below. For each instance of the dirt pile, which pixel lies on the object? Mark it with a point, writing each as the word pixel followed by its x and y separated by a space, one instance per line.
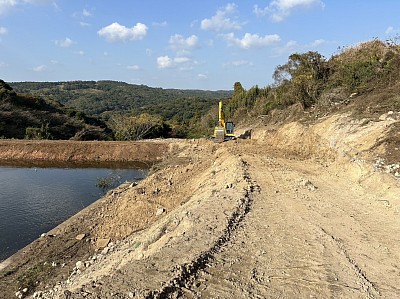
pixel 298 211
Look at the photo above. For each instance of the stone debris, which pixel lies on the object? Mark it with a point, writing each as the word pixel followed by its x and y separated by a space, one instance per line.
pixel 101 243
pixel 307 184
pixel 105 250
pixel 80 237
pixel 390 116
pixel 160 211
pixel 380 165
pixel 79 265
pixel 22 293
pixel 38 295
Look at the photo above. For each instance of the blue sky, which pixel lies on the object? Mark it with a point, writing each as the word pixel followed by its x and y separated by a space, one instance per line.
pixel 179 43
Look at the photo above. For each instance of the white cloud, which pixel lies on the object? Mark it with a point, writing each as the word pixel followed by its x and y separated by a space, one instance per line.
pixel 182 59
pixel 260 12
pixel 86 13
pixel 38 2
pixel 3 64
pixel 318 42
pixel 252 41
pixel 133 67
pixel 164 62
pixel 160 24
pixel 239 63
pixel 82 16
pixel 289 48
pixel 392 31
pixel 220 21
pixel 7 5
pixel 80 53
pixel 65 43
pixel 193 24
pixel 389 30
pixel 210 43
pixel 178 43
pixel 116 32
pixel 40 68
pixel 84 24
pixel 280 9
pixel 149 52
pixel 3 31
pixel 202 76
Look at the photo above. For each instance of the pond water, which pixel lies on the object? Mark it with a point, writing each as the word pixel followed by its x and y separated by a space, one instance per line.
pixel 34 200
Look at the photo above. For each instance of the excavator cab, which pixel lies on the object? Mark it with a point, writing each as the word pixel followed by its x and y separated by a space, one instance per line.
pixel 224 130
pixel 229 126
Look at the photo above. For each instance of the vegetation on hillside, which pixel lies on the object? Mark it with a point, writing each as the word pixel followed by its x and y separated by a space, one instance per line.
pixel 104 98
pixel 31 117
pixel 310 79
pixel 176 113
pixel 143 126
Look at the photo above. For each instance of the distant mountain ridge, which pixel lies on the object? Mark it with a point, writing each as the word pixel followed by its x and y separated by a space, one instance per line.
pixel 102 98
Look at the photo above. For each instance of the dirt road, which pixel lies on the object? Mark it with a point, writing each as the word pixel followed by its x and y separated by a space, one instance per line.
pixel 287 214
pixel 312 232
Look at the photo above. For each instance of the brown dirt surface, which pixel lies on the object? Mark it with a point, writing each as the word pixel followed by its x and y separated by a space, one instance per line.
pixel 300 210
pixel 47 151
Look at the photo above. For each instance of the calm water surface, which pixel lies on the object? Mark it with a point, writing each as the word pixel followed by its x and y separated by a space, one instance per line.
pixel 35 200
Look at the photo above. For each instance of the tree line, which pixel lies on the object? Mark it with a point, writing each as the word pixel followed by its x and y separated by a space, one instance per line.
pixel 310 79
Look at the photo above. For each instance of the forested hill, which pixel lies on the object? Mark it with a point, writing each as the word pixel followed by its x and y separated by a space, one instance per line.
pixel 32 117
pixel 102 98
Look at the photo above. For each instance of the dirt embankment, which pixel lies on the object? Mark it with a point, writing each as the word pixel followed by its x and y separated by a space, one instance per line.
pixel 20 151
pixel 295 212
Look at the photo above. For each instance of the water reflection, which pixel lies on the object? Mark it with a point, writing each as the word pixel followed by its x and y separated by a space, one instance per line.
pixel 34 200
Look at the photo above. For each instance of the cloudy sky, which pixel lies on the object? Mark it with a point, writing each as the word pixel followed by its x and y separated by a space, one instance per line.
pixel 188 44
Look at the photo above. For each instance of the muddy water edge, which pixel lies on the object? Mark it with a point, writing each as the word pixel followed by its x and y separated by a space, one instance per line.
pixel 72 171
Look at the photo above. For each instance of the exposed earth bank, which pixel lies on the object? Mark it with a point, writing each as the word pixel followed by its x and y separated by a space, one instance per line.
pixel 44 151
pixel 296 211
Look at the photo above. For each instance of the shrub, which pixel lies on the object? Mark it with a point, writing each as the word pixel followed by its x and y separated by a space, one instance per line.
pixel 38 133
pixel 138 127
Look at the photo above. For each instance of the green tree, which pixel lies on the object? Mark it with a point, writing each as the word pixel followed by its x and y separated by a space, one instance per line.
pixel 38 133
pixel 302 77
pixel 138 127
pixel 238 89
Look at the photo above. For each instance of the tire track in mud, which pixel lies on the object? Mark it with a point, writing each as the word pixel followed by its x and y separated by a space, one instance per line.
pixel 189 272
pixel 367 285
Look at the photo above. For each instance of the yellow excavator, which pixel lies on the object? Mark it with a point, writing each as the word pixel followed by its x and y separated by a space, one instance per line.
pixel 224 130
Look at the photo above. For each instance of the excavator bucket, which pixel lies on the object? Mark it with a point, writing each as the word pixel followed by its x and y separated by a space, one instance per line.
pixel 219 134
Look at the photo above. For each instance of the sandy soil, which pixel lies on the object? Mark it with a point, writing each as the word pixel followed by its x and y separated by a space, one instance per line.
pixel 294 212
